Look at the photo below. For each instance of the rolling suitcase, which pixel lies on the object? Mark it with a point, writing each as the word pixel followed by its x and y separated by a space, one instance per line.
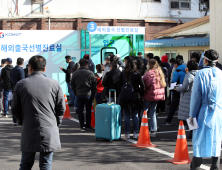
pixel 108 120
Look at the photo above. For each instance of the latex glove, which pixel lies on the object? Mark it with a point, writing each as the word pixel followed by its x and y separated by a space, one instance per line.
pixel 191 121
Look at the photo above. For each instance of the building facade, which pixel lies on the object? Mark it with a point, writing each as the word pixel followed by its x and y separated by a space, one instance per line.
pixel 155 15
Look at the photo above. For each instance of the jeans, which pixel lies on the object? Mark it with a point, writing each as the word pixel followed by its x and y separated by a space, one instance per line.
pixel 87 101
pixel 150 106
pixel 173 107
pixel 6 94
pixel 1 100
pixel 72 96
pixel 97 96
pixel 196 162
pixel 28 158
pixel 127 120
pixel 76 103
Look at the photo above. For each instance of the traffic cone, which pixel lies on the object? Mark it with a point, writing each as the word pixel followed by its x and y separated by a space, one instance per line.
pixel 144 136
pixel 181 155
pixel 67 112
pixel 92 118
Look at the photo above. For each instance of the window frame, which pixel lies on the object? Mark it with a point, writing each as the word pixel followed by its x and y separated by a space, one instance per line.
pixel 152 1
pixel 180 8
pixel 36 2
pixel 171 51
pixel 192 51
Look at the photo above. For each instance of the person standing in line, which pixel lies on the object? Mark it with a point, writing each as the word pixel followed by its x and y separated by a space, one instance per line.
pixel 131 76
pixel 178 77
pixel 91 65
pixel 186 91
pixel 17 74
pixel 3 63
pixel 38 105
pixel 68 72
pixel 164 60
pixel 77 66
pixel 155 84
pixel 99 83
pixel 111 81
pixel 26 71
pixel 206 107
pixel 172 61
pixel 149 56
pixel 84 87
pixel 6 84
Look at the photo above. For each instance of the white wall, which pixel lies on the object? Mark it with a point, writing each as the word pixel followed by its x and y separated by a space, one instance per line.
pixel 104 9
pixel 216 27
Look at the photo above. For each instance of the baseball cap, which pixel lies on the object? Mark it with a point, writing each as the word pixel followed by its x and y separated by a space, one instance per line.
pixel 9 60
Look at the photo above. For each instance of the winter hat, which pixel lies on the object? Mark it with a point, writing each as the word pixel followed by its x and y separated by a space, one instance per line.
pixel 164 58
pixel 86 56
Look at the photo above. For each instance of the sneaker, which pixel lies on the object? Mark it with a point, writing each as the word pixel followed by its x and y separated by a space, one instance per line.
pixel 135 135
pixel 82 129
pixel 15 124
pixel 5 116
pixel 127 136
pixel 153 134
pixel 165 124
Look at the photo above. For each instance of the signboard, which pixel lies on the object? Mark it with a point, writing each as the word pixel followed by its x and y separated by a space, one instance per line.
pixel 53 45
pixel 118 30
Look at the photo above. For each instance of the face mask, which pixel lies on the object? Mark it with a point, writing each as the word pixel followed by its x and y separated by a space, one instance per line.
pixel 147 66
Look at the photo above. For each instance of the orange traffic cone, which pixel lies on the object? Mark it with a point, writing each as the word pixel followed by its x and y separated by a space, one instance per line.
pixel 144 136
pixel 67 112
pixel 181 155
pixel 92 118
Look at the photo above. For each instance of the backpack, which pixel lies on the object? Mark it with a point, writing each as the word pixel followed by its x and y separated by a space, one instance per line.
pixel 127 91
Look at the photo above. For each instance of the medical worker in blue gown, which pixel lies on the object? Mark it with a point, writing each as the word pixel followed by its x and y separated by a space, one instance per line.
pixel 206 107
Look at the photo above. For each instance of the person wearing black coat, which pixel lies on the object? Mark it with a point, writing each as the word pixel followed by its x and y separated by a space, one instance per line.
pixel 39 105
pixel 111 81
pixel 6 84
pixel 131 76
pixel 26 71
pixel 68 72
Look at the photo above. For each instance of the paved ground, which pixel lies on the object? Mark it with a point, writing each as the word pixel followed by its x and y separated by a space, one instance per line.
pixel 81 151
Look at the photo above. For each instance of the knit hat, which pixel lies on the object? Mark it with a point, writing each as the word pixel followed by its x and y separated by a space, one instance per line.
pixel 164 58
pixel 86 56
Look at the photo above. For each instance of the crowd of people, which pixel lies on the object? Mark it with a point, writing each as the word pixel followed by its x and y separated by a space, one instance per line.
pixel 141 84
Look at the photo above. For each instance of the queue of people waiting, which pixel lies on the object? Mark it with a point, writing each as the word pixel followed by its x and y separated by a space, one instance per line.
pixel 148 77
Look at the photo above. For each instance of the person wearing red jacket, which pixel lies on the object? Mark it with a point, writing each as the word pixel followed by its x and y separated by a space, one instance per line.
pixel 155 84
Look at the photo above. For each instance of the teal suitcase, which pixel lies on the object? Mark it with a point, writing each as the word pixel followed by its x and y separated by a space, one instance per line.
pixel 108 121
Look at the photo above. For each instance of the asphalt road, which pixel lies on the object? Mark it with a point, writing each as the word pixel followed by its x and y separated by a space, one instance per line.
pixel 81 151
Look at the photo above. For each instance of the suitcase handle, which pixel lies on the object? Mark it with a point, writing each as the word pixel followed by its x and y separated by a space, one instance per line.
pixel 110 90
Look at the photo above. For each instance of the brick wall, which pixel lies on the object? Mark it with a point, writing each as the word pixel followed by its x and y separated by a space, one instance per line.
pixel 78 24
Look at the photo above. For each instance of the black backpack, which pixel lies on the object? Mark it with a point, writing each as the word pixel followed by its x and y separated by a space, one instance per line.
pixel 127 91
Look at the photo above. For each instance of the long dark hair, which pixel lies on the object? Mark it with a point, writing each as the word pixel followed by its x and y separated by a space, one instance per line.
pixel 129 70
pixel 99 68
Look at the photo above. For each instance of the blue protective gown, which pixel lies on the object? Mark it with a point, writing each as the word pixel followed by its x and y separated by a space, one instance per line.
pixel 206 106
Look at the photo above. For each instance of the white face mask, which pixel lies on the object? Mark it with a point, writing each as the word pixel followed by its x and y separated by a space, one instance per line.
pixel 147 66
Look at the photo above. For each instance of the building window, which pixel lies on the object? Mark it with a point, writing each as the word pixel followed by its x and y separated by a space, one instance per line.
pixel 151 0
pixel 37 6
pixel 180 4
pixel 190 52
pixel 171 54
